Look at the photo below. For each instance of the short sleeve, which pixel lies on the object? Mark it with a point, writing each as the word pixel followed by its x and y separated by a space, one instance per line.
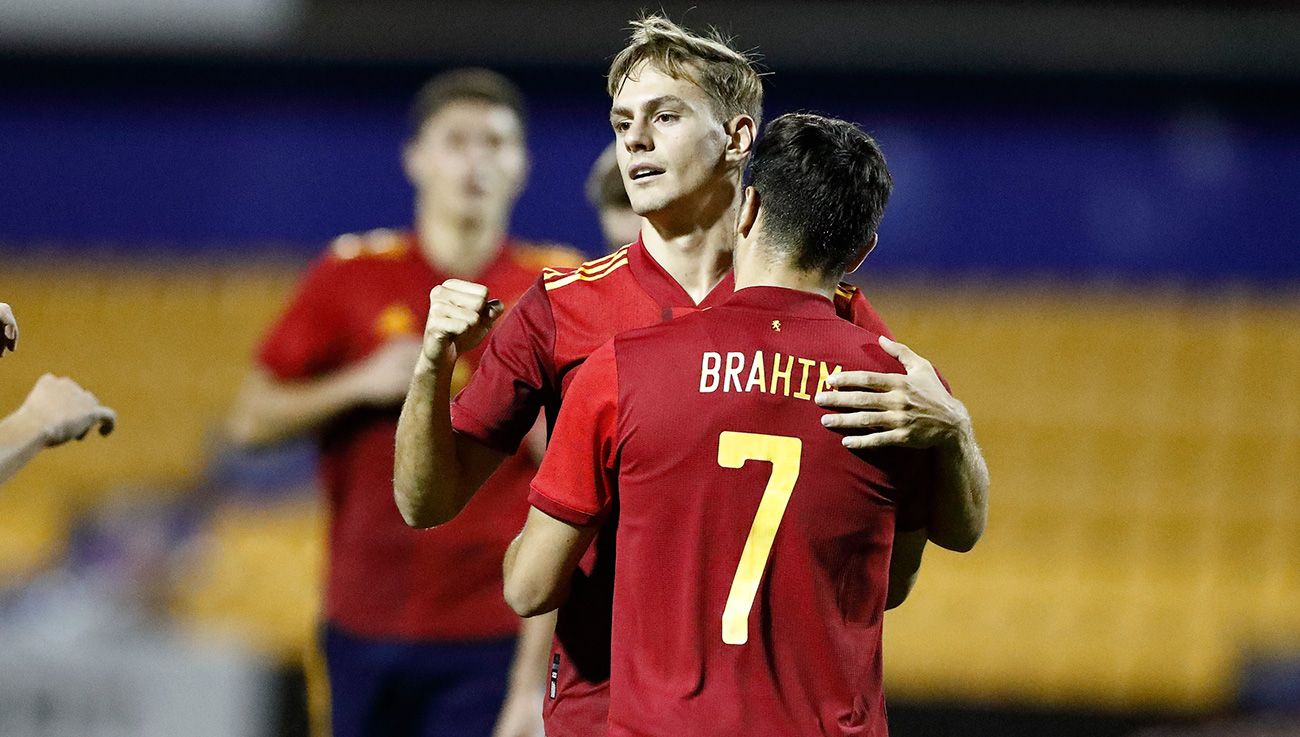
pixel 578 477
pixel 304 341
pixel 510 384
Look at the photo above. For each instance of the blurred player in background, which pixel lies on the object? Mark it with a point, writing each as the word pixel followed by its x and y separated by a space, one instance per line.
pixel 703 432
pixel 685 112
pixel 55 411
pixel 417 639
pixel 619 223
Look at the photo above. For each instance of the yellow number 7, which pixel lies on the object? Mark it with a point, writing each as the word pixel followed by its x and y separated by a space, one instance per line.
pixel 734 448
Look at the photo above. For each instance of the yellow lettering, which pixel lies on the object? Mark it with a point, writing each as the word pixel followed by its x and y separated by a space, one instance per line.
pixel 778 374
pixel 803 380
pixel 824 375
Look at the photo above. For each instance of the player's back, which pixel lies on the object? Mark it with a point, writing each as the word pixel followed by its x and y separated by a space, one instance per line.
pixel 753 548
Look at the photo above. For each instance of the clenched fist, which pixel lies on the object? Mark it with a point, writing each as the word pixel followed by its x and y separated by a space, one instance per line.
pixel 460 316
pixel 63 411
pixel 8 329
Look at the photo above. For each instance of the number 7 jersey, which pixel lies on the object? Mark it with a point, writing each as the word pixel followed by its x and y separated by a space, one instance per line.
pixel 752 555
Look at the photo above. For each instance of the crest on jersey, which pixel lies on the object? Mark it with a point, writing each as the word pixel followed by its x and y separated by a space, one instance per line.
pixel 396 319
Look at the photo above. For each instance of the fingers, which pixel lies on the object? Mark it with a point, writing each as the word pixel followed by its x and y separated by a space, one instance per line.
pixel 868 380
pixel 77 429
pixel 906 356
pixel 862 400
pixel 9 331
pixel 107 420
pixel 851 421
pixel 466 294
pixel 876 440
pixel 455 306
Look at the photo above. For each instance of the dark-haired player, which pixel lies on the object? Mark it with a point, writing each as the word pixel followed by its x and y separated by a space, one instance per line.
pixel 417 640
pixel 754 549
pixel 684 113
pixel 619 223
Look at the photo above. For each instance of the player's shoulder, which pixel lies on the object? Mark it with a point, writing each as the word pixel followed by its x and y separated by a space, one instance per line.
pixel 852 305
pixel 380 245
pixel 846 291
pixel 539 256
pixel 594 276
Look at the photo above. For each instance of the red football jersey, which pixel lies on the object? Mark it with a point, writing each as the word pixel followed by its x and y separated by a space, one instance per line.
pixel 531 359
pixel 753 548
pixel 385 579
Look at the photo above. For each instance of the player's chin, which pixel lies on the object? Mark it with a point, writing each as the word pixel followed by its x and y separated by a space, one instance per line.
pixel 648 204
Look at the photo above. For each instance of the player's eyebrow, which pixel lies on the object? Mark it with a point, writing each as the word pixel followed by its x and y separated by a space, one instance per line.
pixel 621 111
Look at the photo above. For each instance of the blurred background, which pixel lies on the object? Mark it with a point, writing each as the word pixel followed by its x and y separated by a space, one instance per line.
pixel 1093 234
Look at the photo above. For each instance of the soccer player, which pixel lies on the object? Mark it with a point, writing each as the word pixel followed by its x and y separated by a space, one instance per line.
pixel 754 550
pixel 685 113
pixel 619 223
pixel 417 640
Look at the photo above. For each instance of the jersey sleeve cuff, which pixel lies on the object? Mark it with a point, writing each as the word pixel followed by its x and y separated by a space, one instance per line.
pixel 563 512
pixel 465 423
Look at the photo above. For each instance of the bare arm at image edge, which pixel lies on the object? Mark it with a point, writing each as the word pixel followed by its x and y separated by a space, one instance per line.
pixel 56 410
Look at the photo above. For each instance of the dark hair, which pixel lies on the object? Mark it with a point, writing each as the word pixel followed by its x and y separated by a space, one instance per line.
pixel 461 85
pixel 605 182
pixel 822 185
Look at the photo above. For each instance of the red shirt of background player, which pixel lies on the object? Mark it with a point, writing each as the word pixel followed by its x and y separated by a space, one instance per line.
pixel 530 360
pixel 386 580
pixel 705 435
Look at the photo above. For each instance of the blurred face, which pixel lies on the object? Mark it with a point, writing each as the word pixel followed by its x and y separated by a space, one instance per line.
pixel 621 225
pixel 469 160
pixel 670 142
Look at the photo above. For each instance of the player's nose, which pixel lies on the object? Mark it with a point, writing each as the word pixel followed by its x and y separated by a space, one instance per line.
pixel 637 137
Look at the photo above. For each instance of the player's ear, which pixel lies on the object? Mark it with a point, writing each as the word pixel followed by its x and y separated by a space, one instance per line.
pixel 409 159
pixel 748 214
pixel 524 172
pixel 741 132
pixel 862 253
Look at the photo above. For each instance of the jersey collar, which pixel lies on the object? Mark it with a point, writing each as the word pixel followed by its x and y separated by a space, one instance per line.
pixel 664 289
pixel 791 302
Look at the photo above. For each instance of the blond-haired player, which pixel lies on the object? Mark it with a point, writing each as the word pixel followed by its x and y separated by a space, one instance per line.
pixel 684 113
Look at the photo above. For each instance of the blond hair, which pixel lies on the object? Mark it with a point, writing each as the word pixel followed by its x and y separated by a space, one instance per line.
pixel 726 75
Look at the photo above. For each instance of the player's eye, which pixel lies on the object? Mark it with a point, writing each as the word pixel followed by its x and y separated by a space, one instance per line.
pixel 666 117
pixel 622 125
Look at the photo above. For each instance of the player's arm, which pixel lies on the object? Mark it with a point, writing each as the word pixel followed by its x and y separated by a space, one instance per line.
pixel 904 564
pixel 571 492
pixel 521 713
pixel 915 410
pixel 437 470
pixel 269 409
pixel 55 411
pixel 539 563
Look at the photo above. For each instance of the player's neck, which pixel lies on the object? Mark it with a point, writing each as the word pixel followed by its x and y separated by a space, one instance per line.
pixel 696 255
pixel 457 246
pixel 755 268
